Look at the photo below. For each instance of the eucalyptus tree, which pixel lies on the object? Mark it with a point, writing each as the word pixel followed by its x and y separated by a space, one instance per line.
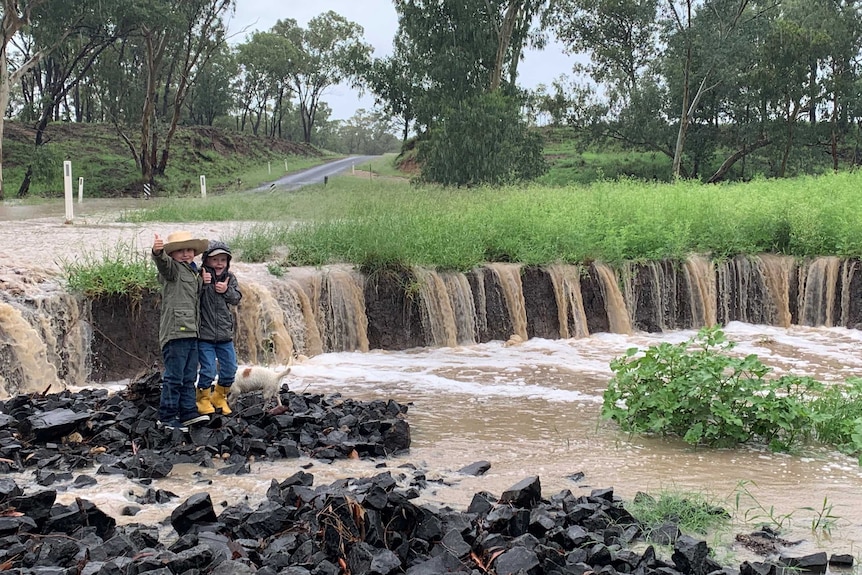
pixel 63 68
pixel 329 51
pixel 256 85
pixel 621 39
pixel 212 95
pixel 396 84
pixel 16 16
pixel 266 59
pixel 703 34
pixel 153 68
pixel 836 74
pixel 368 133
pixel 463 58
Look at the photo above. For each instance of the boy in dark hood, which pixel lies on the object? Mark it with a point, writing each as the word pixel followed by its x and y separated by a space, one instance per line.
pixel 216 350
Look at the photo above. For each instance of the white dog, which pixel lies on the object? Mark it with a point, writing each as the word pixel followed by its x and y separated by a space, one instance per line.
pixel 257 378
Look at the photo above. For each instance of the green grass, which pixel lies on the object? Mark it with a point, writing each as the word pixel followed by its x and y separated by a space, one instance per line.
pixel 693 512
pixel 383 166
pixel 123 270
pixel 381 221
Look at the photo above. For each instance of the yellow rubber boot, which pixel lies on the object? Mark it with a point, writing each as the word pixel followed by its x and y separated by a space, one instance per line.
pixel 219 399
pixel 203 401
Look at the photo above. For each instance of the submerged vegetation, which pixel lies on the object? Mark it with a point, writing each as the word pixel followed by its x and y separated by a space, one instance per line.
pixel 697 390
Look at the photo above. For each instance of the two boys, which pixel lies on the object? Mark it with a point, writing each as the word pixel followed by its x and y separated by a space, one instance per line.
pixel 194 303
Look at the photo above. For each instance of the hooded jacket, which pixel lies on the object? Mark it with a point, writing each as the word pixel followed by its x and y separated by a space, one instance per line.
pixel 217 320
pixel 181 283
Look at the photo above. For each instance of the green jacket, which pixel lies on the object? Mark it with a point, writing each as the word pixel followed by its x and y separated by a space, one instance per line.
pixel 181 284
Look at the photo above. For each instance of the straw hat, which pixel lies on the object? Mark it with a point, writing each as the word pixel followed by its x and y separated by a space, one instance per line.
pixel 179 240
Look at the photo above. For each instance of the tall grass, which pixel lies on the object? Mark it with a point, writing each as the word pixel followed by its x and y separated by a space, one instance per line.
pixel 369 222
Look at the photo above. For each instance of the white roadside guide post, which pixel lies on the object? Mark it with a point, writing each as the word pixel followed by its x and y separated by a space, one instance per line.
pixel 67 189
pixel 80 189
pixel 269 167
pixel 285 164
pixel 203 186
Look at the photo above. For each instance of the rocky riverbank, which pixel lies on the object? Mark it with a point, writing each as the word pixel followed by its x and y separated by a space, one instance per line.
pixel 355 525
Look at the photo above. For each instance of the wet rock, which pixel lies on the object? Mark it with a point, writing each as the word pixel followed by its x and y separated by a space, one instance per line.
pixel 525 493
pixel 476 469
pixel 70 431
pixel 517 560
pixel 689 555
pixel 841 560
pixel 84 481
pixel 664 534
pixel 9 489
pixel 812 563
pixel 52 424
pixel 196 510
pixel 756 568
pixel 366 525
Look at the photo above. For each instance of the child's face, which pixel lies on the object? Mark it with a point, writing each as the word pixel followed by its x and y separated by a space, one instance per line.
pixel 217 262
pixel 184 255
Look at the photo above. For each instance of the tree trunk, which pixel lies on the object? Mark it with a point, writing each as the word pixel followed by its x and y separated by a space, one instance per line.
pixel 155 50
pixel 791 122
pixel 735 157
pixel 504 37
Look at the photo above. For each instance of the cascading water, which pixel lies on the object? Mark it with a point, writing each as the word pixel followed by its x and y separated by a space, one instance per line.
pixel 48 334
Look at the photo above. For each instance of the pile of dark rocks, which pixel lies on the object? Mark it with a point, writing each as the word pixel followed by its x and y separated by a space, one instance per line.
pixel 353 526
pixel 350 527
pixel 119 432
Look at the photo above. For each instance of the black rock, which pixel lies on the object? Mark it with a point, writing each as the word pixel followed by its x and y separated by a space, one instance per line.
pixel 197 509
pixel 476 469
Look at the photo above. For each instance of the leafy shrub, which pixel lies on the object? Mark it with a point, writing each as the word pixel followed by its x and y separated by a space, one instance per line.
pixel 698 391
pixel 840 416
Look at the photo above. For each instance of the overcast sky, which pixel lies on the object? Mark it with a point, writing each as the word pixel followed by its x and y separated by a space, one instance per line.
pixel 379 20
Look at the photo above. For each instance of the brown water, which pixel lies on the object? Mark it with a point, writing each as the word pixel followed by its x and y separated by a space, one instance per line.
pixel 529 409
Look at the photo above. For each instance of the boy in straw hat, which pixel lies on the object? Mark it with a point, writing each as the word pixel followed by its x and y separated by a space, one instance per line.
pixel 178 327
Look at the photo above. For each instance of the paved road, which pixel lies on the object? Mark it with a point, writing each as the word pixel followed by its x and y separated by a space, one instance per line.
pixel 314 175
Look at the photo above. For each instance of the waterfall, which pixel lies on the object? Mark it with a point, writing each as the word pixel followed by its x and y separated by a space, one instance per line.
pixel 570 302
pixel 463 306
pixel 509 279
pixel 438 319
pixel 818 283
pixel 699 274
pixel 24 363
pixel 777 272
pixel 262 336
pixel 50 338
pixel 342 308
pixel 615 303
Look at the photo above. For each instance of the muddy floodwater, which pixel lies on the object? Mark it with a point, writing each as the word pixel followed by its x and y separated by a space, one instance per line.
pixel 529 409
pixel 533 409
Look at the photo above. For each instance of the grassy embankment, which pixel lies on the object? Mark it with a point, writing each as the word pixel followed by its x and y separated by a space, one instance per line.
pixel 229 161
pixel 382 221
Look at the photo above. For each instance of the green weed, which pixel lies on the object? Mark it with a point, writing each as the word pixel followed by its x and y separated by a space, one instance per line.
pixel 692 512
pixel 121 270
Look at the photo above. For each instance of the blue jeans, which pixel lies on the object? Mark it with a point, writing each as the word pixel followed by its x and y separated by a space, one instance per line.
pixel 180 357
pixel 223 352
